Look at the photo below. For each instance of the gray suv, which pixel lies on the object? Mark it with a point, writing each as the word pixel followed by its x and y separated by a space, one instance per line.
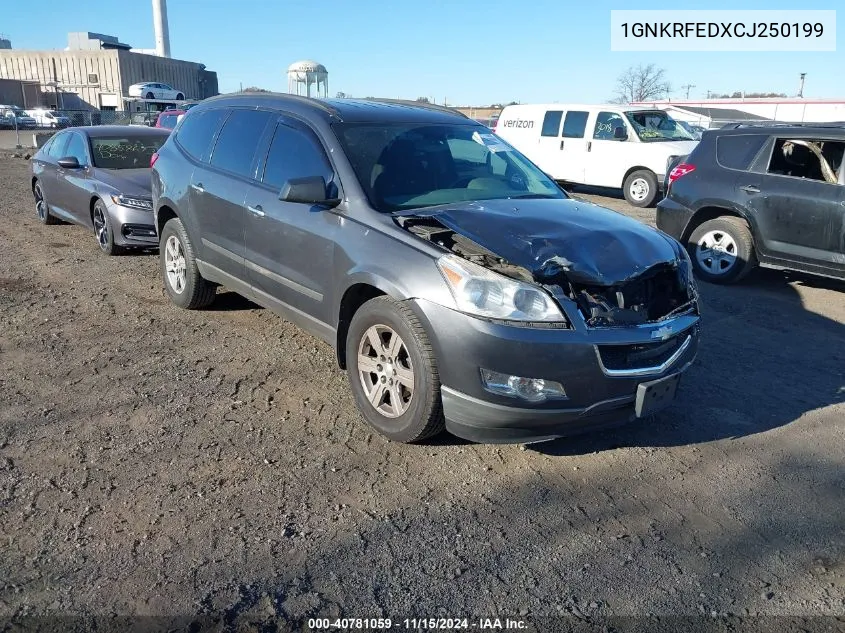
pixel 459 285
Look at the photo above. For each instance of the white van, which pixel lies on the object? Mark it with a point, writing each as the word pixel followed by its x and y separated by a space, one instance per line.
pixel 600 145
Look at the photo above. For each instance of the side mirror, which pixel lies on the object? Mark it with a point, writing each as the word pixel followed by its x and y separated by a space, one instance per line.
pixel 620 134
pixel 69 162
pixel 309 190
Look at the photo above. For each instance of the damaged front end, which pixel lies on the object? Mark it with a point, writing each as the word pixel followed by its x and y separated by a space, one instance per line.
pixel 628 277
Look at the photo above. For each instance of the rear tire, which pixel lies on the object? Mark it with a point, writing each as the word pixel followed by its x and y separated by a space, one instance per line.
pixel 722 250
pixel 42 209
pixel 387 336
pixel 640 188
pixel 184 284
pixel 180 97
pixel 149 95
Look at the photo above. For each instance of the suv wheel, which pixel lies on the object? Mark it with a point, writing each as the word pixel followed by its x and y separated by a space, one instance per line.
pixel 182 280
pixel 722 250
pixel 640 188
pixel 393 372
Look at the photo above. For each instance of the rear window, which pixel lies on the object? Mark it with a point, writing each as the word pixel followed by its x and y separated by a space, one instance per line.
pixel 736 151
pixel 168 120
pixel 198 130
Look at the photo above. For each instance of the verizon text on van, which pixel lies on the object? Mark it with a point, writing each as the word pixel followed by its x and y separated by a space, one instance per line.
pixel 518 123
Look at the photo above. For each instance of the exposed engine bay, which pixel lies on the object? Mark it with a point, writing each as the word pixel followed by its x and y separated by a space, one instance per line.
pixel 660 292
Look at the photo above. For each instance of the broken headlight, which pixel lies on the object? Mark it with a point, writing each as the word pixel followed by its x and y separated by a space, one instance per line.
pixel 482 292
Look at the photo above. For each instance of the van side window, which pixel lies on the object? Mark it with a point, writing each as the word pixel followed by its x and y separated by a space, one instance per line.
pixel 294 154
pixel 575 124
pixel 551 123
pixel 814 159
pixel 606 122
pixel 236 143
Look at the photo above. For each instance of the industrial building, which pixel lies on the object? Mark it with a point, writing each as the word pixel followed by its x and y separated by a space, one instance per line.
pixel 96 70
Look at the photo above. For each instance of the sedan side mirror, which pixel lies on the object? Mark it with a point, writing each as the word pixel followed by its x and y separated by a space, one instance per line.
pixel 309 190
pixel 620 134
pixel 69 162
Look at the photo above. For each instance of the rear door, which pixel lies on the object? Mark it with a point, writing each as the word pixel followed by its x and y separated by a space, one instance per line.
pixel 219 188
pixel 547 156
pixel 573 145
pixel 44 166
pixel 290 246
pixel 799 215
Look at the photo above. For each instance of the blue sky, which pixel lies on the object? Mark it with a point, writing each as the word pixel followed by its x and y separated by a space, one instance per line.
pixel 469 52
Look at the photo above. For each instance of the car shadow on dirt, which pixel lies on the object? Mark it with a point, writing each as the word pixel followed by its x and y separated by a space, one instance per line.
pixel 228 301
pixel 765 360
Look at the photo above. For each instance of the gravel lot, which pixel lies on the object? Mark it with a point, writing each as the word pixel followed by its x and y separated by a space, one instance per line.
pixel 155 461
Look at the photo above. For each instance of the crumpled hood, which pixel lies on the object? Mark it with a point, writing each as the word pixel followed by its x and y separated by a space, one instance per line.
pixel 132 182
pixel 589 244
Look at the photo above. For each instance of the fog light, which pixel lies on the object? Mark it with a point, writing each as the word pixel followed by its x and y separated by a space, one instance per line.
pixel 530 389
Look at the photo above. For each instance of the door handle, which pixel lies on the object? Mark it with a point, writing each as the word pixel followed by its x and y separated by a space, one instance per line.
pixel 198 187
pixel 750 189
pixel 589 146
pixel 561 145
pixel 256 210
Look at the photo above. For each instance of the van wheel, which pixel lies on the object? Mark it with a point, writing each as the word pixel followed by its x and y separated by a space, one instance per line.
pixel 393 372
pixel 722 250
pixel 640 188
pixel 182 280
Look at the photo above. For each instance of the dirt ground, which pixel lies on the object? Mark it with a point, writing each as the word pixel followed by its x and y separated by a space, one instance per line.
pixel 155 461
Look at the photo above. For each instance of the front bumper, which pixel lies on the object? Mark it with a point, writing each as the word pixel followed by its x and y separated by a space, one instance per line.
pixel 132 227
pixel 598 394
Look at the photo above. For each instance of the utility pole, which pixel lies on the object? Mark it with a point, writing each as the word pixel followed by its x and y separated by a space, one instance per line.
pixel 801 85
pixel 708 94
pixel 688 86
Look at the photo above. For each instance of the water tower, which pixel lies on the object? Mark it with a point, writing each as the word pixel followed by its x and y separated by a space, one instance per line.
pixel 306 74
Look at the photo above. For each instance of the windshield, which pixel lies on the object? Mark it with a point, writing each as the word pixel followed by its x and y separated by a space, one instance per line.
pixel 656 125
pixel 408 165
pixel 125 152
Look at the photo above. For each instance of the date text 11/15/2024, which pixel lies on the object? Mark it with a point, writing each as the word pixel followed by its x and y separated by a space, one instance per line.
pixel 416 624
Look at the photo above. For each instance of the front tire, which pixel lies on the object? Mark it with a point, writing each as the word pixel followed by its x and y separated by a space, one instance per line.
pixel 393 372
pixel 640 188
pixel 103 229
pixel 722 250
pixel 184 284
pixel 180 97
pixel 42 209
pixel 149 95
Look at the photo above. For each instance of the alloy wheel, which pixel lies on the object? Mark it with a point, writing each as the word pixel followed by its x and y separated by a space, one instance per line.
pixel 385 370
pixel 40 205
pixel 101 228
pixel 174 262
pixel 716 252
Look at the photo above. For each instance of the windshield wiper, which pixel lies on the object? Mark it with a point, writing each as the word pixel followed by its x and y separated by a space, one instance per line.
pixel 530 196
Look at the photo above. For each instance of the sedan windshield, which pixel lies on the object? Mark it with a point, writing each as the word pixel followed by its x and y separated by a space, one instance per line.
pixel 125 152
pixel 408 165
pixel 657 126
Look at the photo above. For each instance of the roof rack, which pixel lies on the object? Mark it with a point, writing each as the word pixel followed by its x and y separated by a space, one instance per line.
pixel 833 124
pixel 311 101
pixel 419 104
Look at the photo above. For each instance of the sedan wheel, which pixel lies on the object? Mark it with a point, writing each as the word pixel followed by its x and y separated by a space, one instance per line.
pixel 385 370
pixel 42 209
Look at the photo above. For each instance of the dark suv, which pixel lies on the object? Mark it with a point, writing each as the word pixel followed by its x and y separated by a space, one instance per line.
pixel 459 285
pixel 771 195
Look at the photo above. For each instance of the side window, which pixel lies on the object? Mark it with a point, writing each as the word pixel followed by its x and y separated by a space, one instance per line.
pixel 606 122
pixel 551 123
pixel 468 151
pixel 76 148
pixel 737 151
pixel 575 124
pixel 238 140
pixel 294 154
pixel 813 159
pixel 57 145
pixel 198 130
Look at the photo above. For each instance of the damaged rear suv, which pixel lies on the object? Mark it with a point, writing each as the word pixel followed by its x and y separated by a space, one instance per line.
pixel 459 285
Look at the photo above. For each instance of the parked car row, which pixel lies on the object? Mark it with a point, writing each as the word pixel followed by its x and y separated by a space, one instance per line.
pixel 460 286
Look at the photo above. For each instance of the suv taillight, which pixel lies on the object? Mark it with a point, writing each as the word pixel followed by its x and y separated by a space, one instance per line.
pixel 153 158
pixel 680 170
